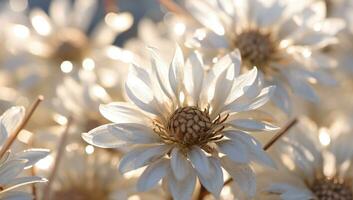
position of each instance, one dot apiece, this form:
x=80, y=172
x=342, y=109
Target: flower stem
x=172, y=6
x=24, y=122
x=57, y=161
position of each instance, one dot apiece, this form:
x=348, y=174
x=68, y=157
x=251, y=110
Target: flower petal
x=32, y=156
x=180, y=165
x=182, y=189
x=141, y=156
x=252, y=125
x=242, y=174
x=122, y=112
x=235, y=150
x=199, y=159
x=151, y=176
x=214, y=181
x=10, y=170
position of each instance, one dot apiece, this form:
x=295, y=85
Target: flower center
x=327, y=189
x=257, y=48
x=71, y=45
x=189, y=126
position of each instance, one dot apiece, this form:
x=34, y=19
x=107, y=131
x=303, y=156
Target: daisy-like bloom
x=90, y=174
x=284, y=39
x=314, y=163
x=184, y=123
x=60, y=43
x=12, y=165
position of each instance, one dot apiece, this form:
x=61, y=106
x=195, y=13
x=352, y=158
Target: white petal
x=32, y=156
x=194, y=74
x=21, y=181
x=214, y=181
x=10, y=170
x=176, y=71
x=141, y=156
x=134, y=133
x=255, y=103
x=103, y=137
x=122, y=112
x=207, y=16
x=242, y=84
x=235, y=150
x=140, y=94
x=12, y=118
x=16, y=195
x=242, y=174
x=180, y=165
x=302, y=87
x=252, y=125
x=281, y=99
x=199, y=159
x=152, y=175
x=182, y=189
x=254, y=147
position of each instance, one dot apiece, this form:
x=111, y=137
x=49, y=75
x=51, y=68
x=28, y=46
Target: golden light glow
x=324, y=136
x=20, y=31
x=66, y=66
x=89, y=149
x=41, y=23
x=119, y=22
x=134, y=197
x=25, y=136
x=88, y=64
x=45, y=163
x=179, y=28
x=116, y=53
x=60, y=119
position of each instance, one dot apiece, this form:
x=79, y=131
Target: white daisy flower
x=12, y=165
x=314, y=163
x=90, y=174
x=284, y=39
x=61, y=43
x=184, y=123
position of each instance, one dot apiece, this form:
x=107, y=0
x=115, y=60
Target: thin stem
x=272, y=141
x=57, y=161
x=33, y=173
x=22, y=125
x=172, y=6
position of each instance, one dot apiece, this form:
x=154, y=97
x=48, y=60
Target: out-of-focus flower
x=90, y=174
x=184, y=123
x=284, y=39
x=13, y=164
x=60, y=44
x=314, y=163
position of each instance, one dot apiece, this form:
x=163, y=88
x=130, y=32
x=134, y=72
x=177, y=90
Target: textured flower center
x=257, y=48
x=71, y=45
x=189, y=126
x=331, y=189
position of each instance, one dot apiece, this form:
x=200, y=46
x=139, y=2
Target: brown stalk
x=172, y=7
x=57, y=161
x=22, y=125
